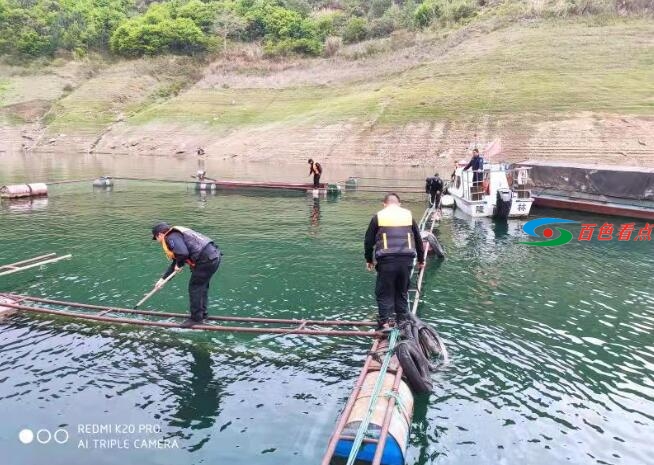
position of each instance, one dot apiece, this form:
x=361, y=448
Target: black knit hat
x=158, y=229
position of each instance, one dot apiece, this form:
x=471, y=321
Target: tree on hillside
x=228, y=23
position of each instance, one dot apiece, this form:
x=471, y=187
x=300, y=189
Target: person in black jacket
x=186, y=246
x=395, y=238
x=316, y=170
x=477, y=165
x=434, y=187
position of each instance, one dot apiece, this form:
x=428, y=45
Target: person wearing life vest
x=395, y=238
x=184, y=246
x=316, y=170
x=434, y=187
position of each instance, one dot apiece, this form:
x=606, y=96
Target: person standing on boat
x=434, y=187
x=186, y=246
x=316, y=170
x=477, y=165
x=395, y=238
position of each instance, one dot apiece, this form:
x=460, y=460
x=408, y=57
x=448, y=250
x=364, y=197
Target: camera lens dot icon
x=26, y=436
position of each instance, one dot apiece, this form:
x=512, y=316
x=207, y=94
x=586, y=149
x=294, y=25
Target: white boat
x=502, y=192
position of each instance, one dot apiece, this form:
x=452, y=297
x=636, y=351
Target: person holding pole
x=186, y=246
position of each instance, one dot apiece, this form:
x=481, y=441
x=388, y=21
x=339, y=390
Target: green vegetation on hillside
x=34, y=28
x=518, y=70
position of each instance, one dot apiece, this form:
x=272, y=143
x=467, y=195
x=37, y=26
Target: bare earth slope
x=559, y=90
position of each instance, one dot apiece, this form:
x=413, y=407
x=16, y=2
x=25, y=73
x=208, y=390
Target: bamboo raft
x=31, y=263
x=15, y=303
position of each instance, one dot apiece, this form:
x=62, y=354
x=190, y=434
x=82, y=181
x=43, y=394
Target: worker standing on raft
x=434, y=187
x=186, y=246
x=396, y=240
x=316, y=170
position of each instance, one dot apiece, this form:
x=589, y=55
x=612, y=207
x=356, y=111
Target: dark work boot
x=189, y=322
x=388, y=325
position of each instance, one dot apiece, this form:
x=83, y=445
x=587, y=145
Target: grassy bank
x=534, y=82
x=558, y=66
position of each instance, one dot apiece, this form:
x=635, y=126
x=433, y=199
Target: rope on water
x=363, y=427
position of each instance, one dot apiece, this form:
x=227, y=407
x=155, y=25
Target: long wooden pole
x=52, y=260
x=199, y=326
x=243, y=319
x=155, y=289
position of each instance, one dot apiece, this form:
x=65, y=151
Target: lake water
x=552, y=348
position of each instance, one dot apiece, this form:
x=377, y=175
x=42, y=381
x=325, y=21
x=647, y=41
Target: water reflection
x=314, y=217
x=198, y=399
x=24, y=205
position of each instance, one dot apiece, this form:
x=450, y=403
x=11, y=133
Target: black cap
x=158, y=229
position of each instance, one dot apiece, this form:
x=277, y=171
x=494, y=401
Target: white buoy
x=447, y=201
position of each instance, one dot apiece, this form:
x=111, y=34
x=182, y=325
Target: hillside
x=579, y=88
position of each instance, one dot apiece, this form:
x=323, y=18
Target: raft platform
x=215, y=185
x=387, y=422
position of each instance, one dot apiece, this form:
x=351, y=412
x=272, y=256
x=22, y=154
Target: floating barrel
x=205, y=186
x=352, y=183
x=103, y=181
x=23, y=190
x=447, y=201
x=333, y=189
x=398, y=431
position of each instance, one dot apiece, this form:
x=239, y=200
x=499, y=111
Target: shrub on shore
x=43, y=28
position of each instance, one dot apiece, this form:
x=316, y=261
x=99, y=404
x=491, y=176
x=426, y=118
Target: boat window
x=458, y=182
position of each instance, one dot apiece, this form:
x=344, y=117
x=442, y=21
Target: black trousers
x=198, y=287
x=316, y=181
x=434, y=197
x=392, y=288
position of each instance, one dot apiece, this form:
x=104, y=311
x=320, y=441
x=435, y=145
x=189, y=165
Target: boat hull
x=520, y=208
x=602, y=208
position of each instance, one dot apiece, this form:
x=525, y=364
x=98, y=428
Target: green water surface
x=552, y=348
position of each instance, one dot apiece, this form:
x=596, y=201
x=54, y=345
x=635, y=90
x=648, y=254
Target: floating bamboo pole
x=32, y=265
x=243, y=319
x=200, y=326
x=17, y=264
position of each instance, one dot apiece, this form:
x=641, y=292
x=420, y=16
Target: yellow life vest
x=395, y=234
